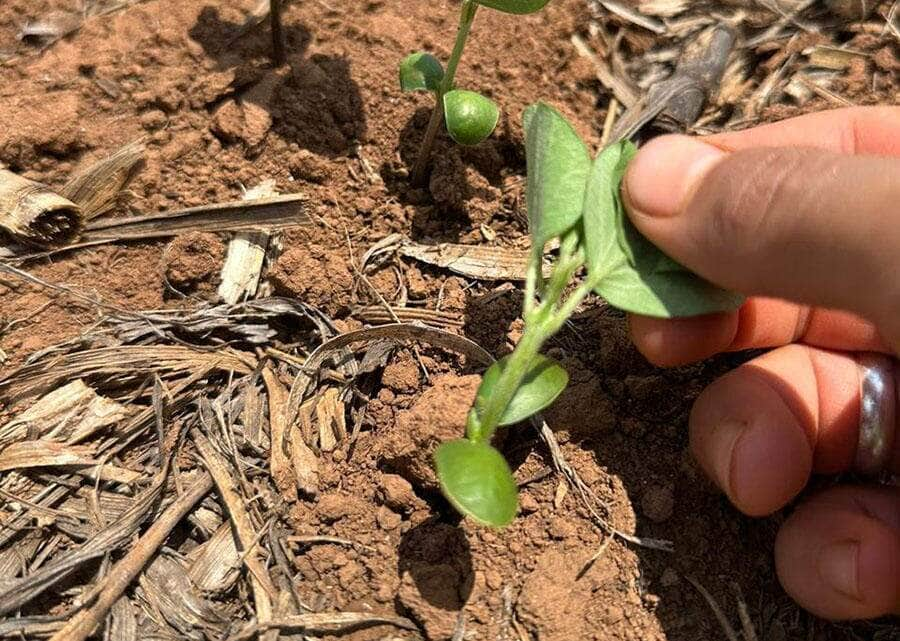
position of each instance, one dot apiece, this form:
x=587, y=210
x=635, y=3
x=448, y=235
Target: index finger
x=759, y=323
x=854, y=131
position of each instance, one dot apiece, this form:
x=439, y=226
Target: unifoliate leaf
x=558, y=168
x=666, y=294
x=421, y=72
x=544, y=382
x=514, y=6
x=600, y=219
x=476, y=479
x=636, y=276
x=470, y=116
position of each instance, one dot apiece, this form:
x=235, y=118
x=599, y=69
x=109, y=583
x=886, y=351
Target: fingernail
x=722, y=443
x=665, y=174
x=839, y=567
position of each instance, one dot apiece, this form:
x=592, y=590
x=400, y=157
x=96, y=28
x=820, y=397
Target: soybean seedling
x=470, y=116
x=576, y=200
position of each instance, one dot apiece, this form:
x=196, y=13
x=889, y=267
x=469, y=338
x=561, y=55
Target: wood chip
x=331, y=419
x=33, y=214
x=836, y=58
x=246, y=256
x=280, y=466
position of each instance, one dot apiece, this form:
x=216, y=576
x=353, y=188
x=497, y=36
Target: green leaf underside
x=558, y=168
x=544, y=382
x=477, y=480
x=638, y=276
x=665, y=294
x=421, y=71
x=514, y=6
x=470, y=116
x=603, y=250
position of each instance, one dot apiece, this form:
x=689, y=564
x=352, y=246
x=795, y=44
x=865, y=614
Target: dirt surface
x=332, y=125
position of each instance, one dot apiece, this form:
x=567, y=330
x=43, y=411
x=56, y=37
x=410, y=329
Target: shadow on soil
x=463, y=186
x=636, y=419
x=438, y=559
x=313, y=101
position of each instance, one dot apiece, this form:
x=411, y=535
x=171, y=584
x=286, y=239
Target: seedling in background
x=470, y=116
x=278, y=53
x=576, y=200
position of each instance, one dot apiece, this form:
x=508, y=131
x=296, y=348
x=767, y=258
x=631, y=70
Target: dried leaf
x=474, y=261
x=165, y=584
x=275, y=212
x=30, y=454
x=216, y=564
x=96, y=187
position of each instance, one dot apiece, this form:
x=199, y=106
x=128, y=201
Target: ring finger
x=760, y=431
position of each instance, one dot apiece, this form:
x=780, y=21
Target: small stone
x=332, y=507
x=349, y=573
x=397, y=493
x=493, y=579
x=528, y=504
x=387, y=519
x=651, y=601
x=658, y=503
x=402, y=376
x=153, y=119
x=560, y=528
x=305, y=165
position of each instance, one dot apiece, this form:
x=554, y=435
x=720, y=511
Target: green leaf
x=638, y=277
x=600, y=231
x=421, y=72
x=558, y=168
x=667, y=294
x=470, y=116
x=477, y=480
x=544, y=382
x=514, y=6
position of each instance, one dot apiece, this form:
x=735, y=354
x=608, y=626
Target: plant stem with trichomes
x=466, y=17
x=542, y=321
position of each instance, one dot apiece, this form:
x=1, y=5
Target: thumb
x=808, y=225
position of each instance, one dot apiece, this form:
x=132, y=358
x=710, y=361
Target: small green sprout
x=470, y=117
x=576, y=200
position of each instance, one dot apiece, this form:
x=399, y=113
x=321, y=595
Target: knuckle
x=754, y=196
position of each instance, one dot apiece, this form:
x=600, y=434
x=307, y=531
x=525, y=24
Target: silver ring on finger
x=877, y=411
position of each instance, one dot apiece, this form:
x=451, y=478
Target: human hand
x=808, y=211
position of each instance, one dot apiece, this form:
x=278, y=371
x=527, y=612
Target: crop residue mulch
x=239, y=470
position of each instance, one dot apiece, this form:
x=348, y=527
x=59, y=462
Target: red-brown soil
x=333, y=125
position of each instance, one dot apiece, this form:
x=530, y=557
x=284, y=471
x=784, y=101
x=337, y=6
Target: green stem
x=533, y=278
x=466, y=17
x=517, y=367
x=541, y=322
